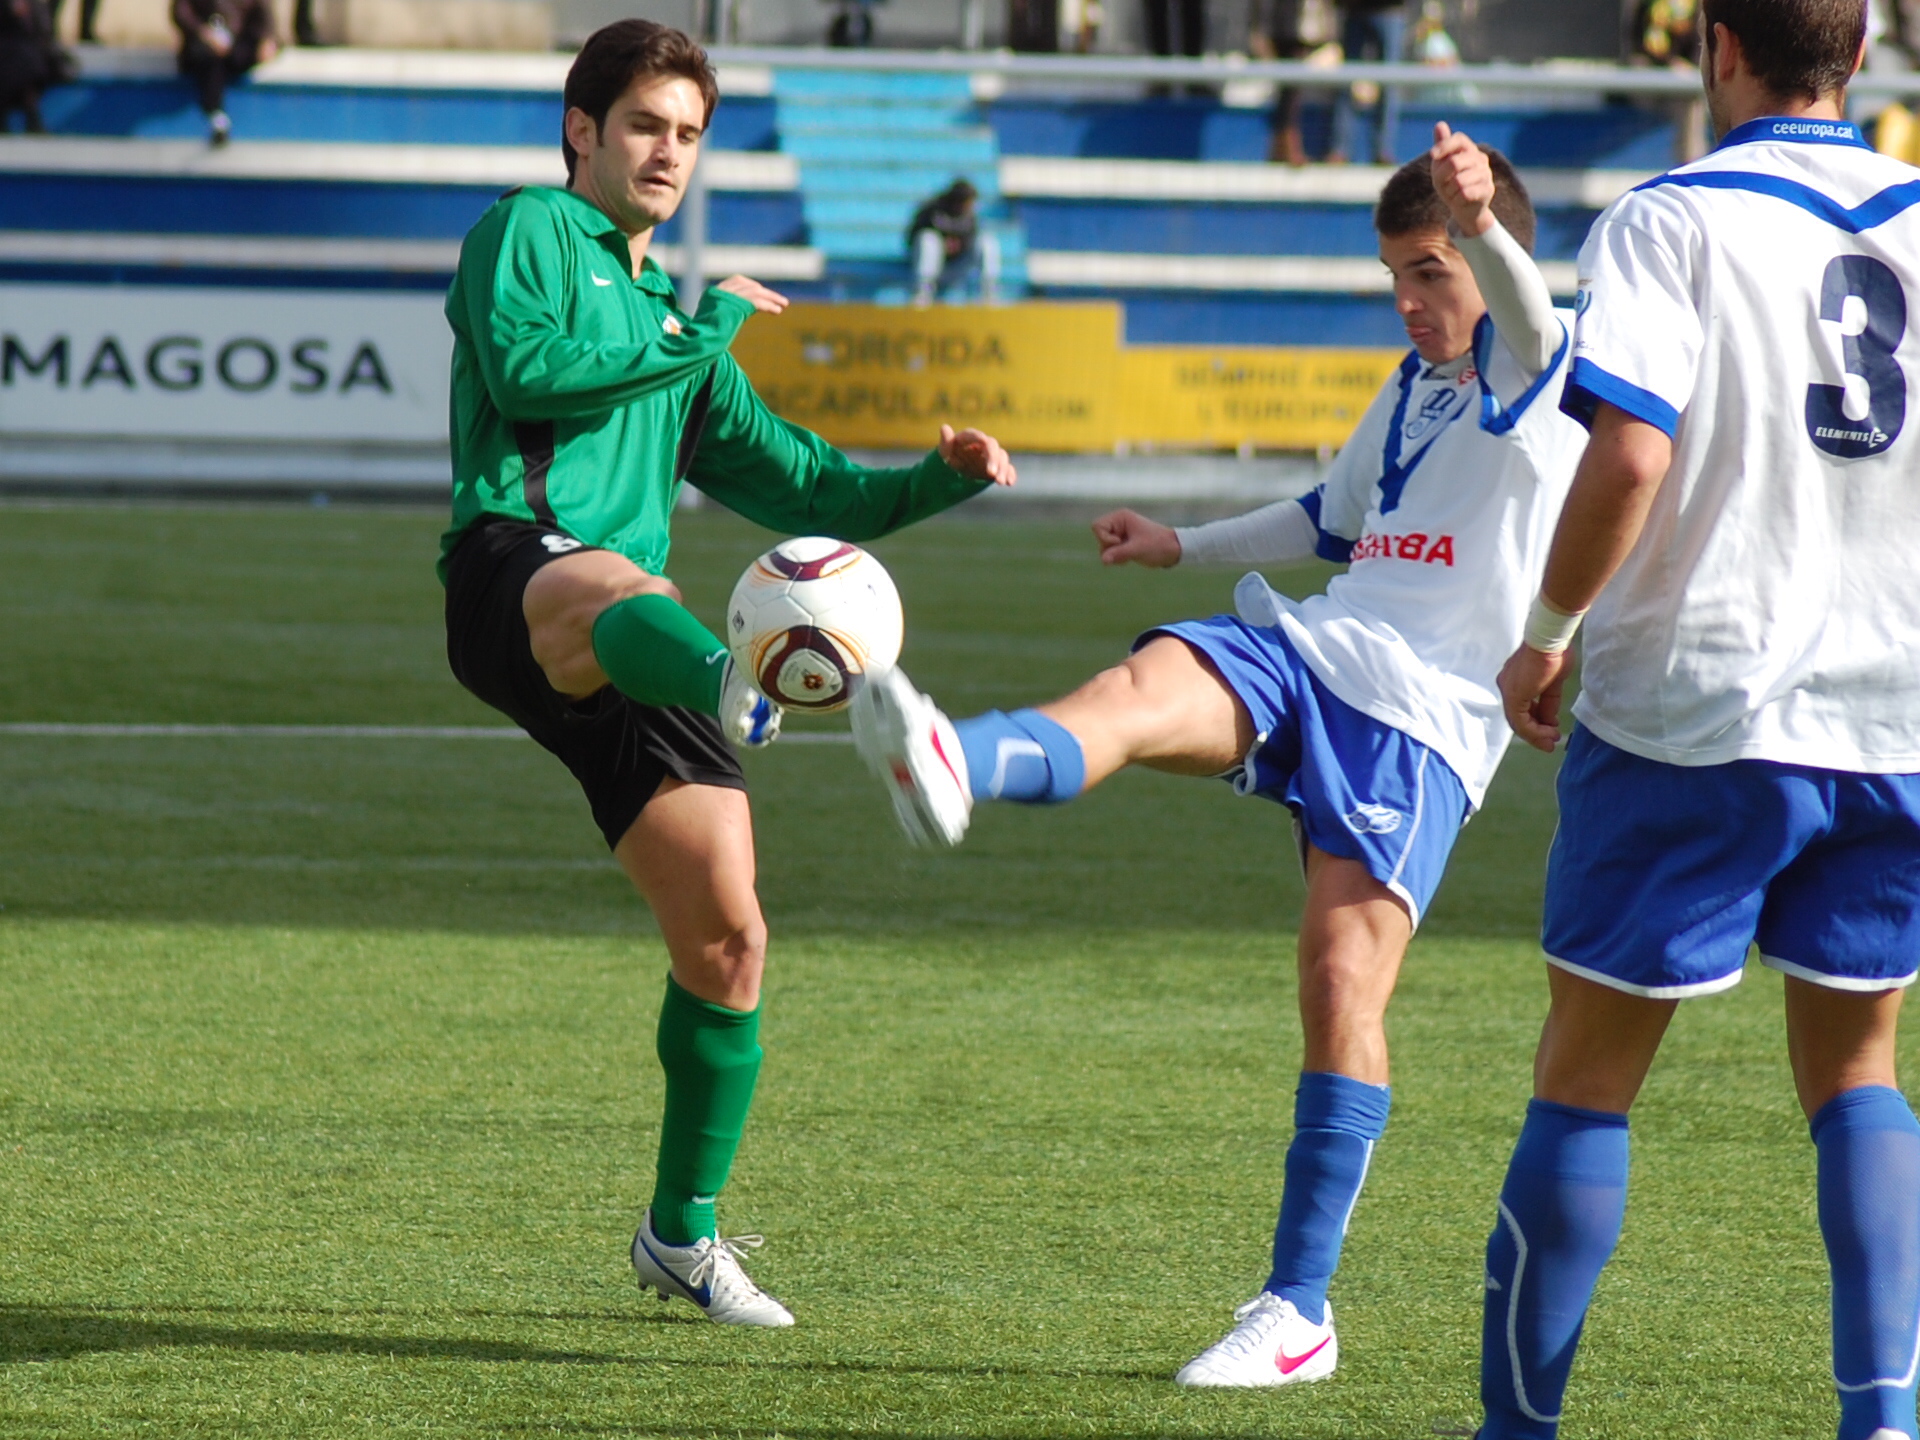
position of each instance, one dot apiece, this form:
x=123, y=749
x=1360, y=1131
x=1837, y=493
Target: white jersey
x=1444, y=500
x=1755, y=305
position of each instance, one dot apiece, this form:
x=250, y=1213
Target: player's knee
x=1124, y=692
x=737, y=957
x=561, y=605
x=1350, y=974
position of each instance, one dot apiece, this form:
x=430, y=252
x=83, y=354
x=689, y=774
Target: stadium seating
x=367, y=167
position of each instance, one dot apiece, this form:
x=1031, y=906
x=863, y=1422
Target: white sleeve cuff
x=1281, y=531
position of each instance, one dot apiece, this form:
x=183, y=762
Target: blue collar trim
x=1799, y=132
x=1393, y=473
x=1869, y=214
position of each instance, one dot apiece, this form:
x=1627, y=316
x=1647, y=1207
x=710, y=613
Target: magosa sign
x=222, y=363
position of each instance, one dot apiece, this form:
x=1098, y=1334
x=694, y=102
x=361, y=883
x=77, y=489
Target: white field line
x=324, y=732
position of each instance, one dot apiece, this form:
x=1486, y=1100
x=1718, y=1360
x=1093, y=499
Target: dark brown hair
x=1798, y=49
x=616, y=55
x=1408, y=202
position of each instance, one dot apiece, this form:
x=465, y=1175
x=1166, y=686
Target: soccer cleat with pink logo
x=912, y=747
x=1271, y=1344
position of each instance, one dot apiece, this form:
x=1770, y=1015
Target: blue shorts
x=1358, y=788
x=1662, y=875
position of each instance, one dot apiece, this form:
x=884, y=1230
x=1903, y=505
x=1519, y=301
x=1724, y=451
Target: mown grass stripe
x=324, y=732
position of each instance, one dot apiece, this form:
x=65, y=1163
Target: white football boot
x=1272, y=1344
x=708, y=1273
x=746, y=716
x=912, y=747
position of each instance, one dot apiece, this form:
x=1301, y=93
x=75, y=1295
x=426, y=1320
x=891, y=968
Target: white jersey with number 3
x=1760, y=306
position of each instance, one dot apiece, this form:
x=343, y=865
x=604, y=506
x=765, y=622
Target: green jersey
x=583, y=397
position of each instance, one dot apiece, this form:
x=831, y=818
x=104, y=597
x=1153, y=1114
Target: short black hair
x=615, y=56
x=1409, y=203
x=1798, y=49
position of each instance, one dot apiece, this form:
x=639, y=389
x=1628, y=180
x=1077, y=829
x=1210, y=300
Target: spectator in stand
x=1667, y=32
x=1176, y=27
x=30, y=63
x=89, y=13
x=1284, y=38
x=945, y=244
x=1370, y=30
x=220, y=40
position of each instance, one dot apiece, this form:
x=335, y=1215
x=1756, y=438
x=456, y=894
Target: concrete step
x=913, y=183
x=869, y=85
x=869, y=149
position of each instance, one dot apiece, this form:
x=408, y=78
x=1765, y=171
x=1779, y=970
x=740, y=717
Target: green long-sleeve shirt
x=583, y=397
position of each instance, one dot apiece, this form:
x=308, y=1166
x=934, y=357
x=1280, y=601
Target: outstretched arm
x=785, y=477
x=1284, y=531
x=1517, y=296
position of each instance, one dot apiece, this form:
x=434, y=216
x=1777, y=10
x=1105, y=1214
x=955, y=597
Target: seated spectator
x=220, y=40
x=945, y=244
x=30, y=63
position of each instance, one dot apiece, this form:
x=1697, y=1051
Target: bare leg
x=562, y=601
x=1166, y=708
x=690, y=854
x=1840, y=1040
x=1352, y=941
x=1598, y=1043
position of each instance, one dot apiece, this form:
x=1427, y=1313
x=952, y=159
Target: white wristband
x=1548, y=630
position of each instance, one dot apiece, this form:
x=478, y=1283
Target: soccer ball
x=810, y=619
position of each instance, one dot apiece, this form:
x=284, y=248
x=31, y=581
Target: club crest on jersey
x=671, y=324
x=1373, y=820
x=1437, y=407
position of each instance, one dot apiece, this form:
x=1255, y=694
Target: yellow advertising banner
x=1039, y=377
x=1046, y=376
x=1196, y=397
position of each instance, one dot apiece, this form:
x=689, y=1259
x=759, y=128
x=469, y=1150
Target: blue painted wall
x=1237, y=228
x=342, y=209
x=159, y=109
x=1621, y=136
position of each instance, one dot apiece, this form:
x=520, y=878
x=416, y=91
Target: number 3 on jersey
x=1867, y=356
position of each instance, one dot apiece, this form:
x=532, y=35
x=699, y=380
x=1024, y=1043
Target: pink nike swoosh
x=941, y=751
x=1290, y=1363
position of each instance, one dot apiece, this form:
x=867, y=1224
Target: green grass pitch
x=327, y=1091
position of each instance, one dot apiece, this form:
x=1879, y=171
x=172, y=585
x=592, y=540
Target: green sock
x=712, y=1056
x=654, y=651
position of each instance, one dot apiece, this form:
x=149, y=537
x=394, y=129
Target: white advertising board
x=223, y=364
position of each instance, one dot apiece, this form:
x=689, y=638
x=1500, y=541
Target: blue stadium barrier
x=1622, y=137
x=165, y=109
x=868, y=146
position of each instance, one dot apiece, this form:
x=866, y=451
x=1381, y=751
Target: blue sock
x=1869, y=1168
x=1560, y=1214
x=1023, y=756
x=1335, y=1122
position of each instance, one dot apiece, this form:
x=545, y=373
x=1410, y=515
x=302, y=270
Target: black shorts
x=618, y=749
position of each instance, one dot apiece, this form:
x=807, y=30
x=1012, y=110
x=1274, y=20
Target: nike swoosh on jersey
x=601, y=280
x=1290, y=1363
